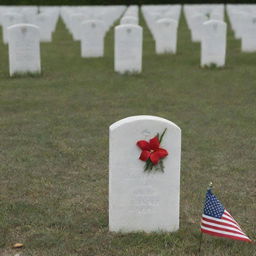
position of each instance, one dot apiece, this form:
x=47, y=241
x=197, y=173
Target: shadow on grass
x=27, y=75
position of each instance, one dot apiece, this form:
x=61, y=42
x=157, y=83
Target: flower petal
x=144, y=155
x=154, y=157
x=143, y=145
x=162, y=152
x=154, y=143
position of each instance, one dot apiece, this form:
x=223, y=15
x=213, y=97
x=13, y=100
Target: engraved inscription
x=24, y=52
x=146, y=134
x=144, y=200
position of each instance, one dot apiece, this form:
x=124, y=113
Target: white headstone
x=29, y=18
x=216, y=16
x=249, y=36
x=29, y=10
x=174, y=15
x=44, y=22
x=76, y=21
x=129, y=20
x=128, y=48
x=92, y=38
x=24, y=49
x=241, y=19
x=213, y=43
x=197, y=27
x=139, y=200
x=166, y=36
x=153, y=18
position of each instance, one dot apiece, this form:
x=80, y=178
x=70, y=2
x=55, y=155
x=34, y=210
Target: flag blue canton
x=212, y=206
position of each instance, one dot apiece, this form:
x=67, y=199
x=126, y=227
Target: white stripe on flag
x=228, y=216
x=222, y=226
x=220, y=220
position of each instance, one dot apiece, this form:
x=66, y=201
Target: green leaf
x=147, y=165
x=161, y=165
x=162, y=135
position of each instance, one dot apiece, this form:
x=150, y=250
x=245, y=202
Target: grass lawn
x=54, y=146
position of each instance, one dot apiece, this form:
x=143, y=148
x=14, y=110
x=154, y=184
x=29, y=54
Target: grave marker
x=24, y=49
x=166, y=36
x=92, y=38
x=143, y=200
x=128, y=48
x=213, y=44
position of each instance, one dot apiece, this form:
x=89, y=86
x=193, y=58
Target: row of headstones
x=75, y=17
x=89, y=25
x=90, y=30
x=93, y=33
x=242, y=19
x=204, y=21
x=131, y=16
x=24, y=53
x=45, y=18
x=243, y=23
x=198, y=14
x=128, y=37
x=207, y=26
x=24, y=44
x=128, y=46
x=162, y=22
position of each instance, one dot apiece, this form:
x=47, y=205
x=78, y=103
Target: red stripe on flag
x=219, y=222
x=224, y=235
x=223, y=218
x=223, y=229
x=229, y=215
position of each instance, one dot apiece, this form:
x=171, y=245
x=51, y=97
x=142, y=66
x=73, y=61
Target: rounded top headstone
x=141, y=118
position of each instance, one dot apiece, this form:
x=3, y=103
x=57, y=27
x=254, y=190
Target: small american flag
x=217, y=221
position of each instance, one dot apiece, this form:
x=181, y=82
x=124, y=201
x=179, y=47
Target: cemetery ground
x=54, y=146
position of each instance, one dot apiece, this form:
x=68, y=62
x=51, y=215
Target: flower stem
x=162, y=135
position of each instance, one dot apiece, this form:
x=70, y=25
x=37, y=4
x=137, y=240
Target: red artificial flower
x=151, y=150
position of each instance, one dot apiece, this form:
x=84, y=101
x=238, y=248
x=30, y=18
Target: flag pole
x=200, y=242
x=201, y=235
